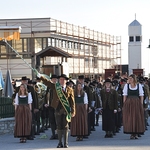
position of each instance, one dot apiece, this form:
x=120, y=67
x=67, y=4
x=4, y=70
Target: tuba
x=40, y=89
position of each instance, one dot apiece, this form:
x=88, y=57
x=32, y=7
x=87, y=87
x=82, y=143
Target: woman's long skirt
x=23, y=119
x=133, y=116
x=79, y=126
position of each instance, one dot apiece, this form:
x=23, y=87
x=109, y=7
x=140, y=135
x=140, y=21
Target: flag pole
x=17, y=53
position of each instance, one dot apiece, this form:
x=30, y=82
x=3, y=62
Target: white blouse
x=85, y=98
x=29, y=99
x=125, y=89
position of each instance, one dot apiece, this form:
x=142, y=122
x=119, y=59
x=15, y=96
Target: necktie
x=63, y=89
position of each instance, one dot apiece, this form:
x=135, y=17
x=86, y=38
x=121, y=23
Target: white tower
x=134, y=45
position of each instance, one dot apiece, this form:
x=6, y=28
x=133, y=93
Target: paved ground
x=96, y=141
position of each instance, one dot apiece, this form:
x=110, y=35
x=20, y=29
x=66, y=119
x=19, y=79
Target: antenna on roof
x=135, y=16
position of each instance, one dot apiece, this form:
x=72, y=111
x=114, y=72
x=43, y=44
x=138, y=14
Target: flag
x=1, y=81
x=8, y=88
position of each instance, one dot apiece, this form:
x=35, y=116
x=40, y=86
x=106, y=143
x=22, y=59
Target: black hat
x=107, y=80
x=54, y=76
x=24, y=78
x=141, y=79
x=70, y=81
x=86, y=81
x=63, y=76
x=123, y=80
x=116, y=77
x=81, y=77
x=34, y=82
x=91, y=84
x=37, y=78
x=30, y=82
x=95, y=82
x=114, y=82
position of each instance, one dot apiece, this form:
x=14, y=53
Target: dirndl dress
x=23, y=118
x=79, y=126
x=133, y=113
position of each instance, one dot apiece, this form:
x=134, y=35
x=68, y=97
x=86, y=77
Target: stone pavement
x=96, y=141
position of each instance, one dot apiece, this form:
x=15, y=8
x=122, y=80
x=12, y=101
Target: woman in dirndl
x=79, y=126
x=133, y=113
x=23, y=117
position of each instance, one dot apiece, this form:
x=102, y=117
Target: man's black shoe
x=30, y=138
x=106, y=136
x=37, y=133
x=93, y=129
x=66, y=146
x=53, y=137
x=60, y=145
x=97, y=124
x=85, y=137
x=111, y=135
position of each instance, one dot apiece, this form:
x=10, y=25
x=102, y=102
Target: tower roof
x=135, y=23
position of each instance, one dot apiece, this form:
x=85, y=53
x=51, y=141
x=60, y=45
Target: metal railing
x=6, y=107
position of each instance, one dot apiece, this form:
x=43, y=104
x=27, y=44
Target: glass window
x=2, y=49
x=138, y=38
x=25, y=43
x=44, y=43
x=38, y=44
x=17, y=45
x=49, y=42
x=3, y=53
x=131, y=39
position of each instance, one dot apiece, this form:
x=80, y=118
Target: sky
x=107, y=16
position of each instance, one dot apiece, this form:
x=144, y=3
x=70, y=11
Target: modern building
x=53, y=46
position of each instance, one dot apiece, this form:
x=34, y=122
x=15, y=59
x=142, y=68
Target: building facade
x=91, y=51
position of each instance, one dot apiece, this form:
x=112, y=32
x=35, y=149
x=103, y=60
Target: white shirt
x=125, y=89
x=29, y=99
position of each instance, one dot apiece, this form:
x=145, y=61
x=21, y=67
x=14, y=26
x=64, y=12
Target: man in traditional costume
x=110, y=106
x=64, y=104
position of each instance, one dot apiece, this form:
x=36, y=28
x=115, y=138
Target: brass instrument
x=40, y=89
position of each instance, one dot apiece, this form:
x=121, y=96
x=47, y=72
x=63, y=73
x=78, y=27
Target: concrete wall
x=7, y=126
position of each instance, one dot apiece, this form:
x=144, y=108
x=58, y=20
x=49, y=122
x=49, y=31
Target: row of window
x=28, y=46
x=135, y=39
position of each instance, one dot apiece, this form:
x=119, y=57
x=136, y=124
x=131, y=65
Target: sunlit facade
x=92, y=51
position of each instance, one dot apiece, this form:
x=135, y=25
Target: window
x=131, y=39
x=138, y=38
x=38, y=44
x=17, y=45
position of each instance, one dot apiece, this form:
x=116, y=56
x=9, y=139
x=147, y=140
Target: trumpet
x=40, y=89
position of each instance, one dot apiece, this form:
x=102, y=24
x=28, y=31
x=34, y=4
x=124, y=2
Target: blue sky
x=107, y=16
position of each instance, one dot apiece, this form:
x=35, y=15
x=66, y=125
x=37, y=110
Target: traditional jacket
x=69, y=93
x=109, y=99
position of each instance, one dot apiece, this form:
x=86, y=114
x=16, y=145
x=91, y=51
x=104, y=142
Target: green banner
x=64, y=101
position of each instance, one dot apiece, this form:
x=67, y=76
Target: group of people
x=77, y=106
